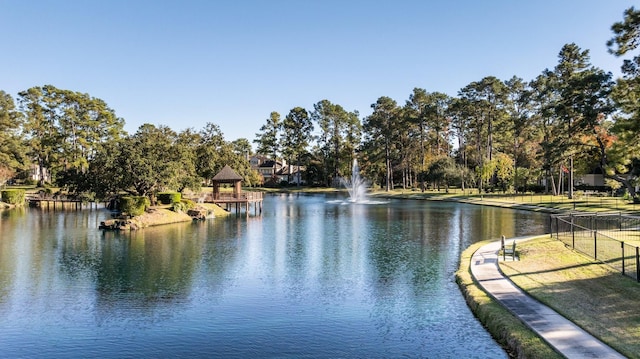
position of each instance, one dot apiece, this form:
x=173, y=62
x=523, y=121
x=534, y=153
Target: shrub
x=169, y=197
x=86, y=196
x=134, y=205
x=535, y=188
x=189, y=203
x=13, y=196
x=585, y=187
x=183, y=206
x=178, y=207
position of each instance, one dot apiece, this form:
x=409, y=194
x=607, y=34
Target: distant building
x=591, y=179
x=273, y=172
x=292, y=173
x=594, y=178
x=37, y=173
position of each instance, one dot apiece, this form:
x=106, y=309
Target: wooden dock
x=60, y=203
x=244, y=200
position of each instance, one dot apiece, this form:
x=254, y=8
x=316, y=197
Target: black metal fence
x=612, y=238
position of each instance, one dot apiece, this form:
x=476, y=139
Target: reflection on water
x=309, y=278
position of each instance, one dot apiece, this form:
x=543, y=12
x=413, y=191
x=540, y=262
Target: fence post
x=595, y=244
x=573, y=234
x=622, y=245
x=637, y=264
x=620, y=221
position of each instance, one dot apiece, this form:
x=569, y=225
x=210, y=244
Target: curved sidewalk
x=566, y=337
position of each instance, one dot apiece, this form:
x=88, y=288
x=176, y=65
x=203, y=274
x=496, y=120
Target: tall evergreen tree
x=417, y=110
x=460, y=112
x=297, y=128
x=337, y=140
x=544, y=98
x=624, y=159
x=66, y=128
x=40, y=130
x=268, y=137
x=381, y=130
x=486, y=99
x=519, y=118
x=242, y=147
x=582, y=95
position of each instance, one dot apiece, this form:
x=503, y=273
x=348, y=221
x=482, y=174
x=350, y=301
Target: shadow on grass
x=555, y=269
x=605, y=306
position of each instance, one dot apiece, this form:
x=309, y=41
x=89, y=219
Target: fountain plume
x=357, y=187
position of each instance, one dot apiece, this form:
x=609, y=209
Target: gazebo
x=227, y=175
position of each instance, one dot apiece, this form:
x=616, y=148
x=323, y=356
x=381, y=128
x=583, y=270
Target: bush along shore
x=10, y=198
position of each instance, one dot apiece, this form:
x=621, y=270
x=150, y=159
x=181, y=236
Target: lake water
x=310, y=278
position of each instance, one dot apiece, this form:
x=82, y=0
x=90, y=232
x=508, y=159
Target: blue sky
x=186, y=63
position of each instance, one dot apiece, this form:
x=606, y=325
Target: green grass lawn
x=581, y=202
x=509, y=331
x=592, y=295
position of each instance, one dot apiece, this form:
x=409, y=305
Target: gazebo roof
x=227, y=174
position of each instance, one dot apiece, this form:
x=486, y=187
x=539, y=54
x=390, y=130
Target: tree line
x=81, y=143
x=494, y=135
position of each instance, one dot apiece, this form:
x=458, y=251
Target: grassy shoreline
x=597, y=298
x=518, y=340
x=531, y=202
x=588, y=202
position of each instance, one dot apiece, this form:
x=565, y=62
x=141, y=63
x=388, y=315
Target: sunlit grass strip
x=592, y=295
x=629, y=237
x=508, y=330
x=557, y=203
x=217, y=210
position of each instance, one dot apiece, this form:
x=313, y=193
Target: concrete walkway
x=566, y=337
